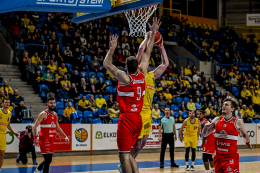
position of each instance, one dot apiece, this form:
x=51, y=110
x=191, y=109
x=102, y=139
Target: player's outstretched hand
x=16, y=134
x=67, y=140
x=249, y=145
x=156, y=25
x=113, y=41
x=181, y=139
x=161, y=44
x=36, y=142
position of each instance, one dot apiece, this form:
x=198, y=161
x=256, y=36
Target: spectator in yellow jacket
x=67, y=112
x=167, y=97
x=158, y=89
x=256, y=102
x=243, y=110
x=7, y=89
x=100, y=101
x=246, y=95
x=156, y=113
x=256, y=80
x=35, y=58
x=52, y=67
x=63, y=69
x=208, y=109
x=112, y=112
x=191, y=105
x=187, y=71
x=83, y=104
x=31, y=27
x=65, y=80
x=250, y=111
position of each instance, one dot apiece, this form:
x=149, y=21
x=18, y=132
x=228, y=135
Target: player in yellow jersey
x=150, y=78
x=191, y=136
x=5, y=117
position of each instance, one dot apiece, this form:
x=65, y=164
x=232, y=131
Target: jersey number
x=139, y=92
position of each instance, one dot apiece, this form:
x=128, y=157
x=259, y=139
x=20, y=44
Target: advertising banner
x=80, y=137
x=104, y=136
x=258, y=133
x=253, y=20
x=59, y=141
x=251, y=131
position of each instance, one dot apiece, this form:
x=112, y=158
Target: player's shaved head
x=131, y=64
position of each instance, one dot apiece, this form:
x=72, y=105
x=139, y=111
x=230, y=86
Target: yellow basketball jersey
x=149, y=91
x=191, y=129
x=4, y=120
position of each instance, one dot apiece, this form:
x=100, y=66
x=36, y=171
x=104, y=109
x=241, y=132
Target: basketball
x=158, y=39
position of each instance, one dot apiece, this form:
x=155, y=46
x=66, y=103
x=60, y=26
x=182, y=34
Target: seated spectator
x=212, y=101
x=243, y=110
x=30, y=71
x=45, y=59
x=198, y=104
x=19, y=112
x=208, y=109
x=83, y=104
x=94, y=79
x=8, y=91
x=211, y=116
x=63, y=95
x=25, y=19
x=55, y=86
x=95, y=65
x=179, y=119
x=26, y=146
x=2, y=96
x=48, y=77
x=41, y=67
x=59, y=75
x=162, y=104
x=158, y=89
x=35, y=58
x=182, y=106
x=216, y=111
x=110, y=102
x=250, y=111
x=156, y=113
x=245, y=95
x=73, y=93
x=92, y=103
x=187, y=71
x=228, y=95
x=112, y=112
x=103, y=114
x=246, y=118
x=163, y=82
x=100, y=101
x=221, y=76
x=31, y=27
x=15, y=98
x=52, y=67
x=191, y=105
x=91, y=88
x=195, y=77
x=168, y=97
x=63, y=69
x=75, y=78
x=81, y=64
x=67, y=113
x=68, y=56
x=66, y=81
x=83, y=86
x=64, y=26
x=256, y=102
x=238, y=113
x=181, y=91
x=101, y=87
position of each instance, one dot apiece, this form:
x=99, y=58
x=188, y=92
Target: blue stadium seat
x=79, y=113
x=155, y=121
x=234, y=89
x=114, y=89
x=90, y=73
x=162, y=114
x=99, y=74
x=109, y=89
x=184, y=115
x=43, y=94
x=76, y=121
x=88, y=96
x=60, y=35
x=41, y=87
x=68, y=65
x=95, y=113
x=59, y=105
x=106, y=97
x=86, y=74
x=252, y=121
x=27, y=121
x=178, y=99
x=13, y=112
x=115, y=121
x=97, y=121
x=88, y=58
x=186, y=100
x=154, y=98
x=257, y=121
x=108, y=83
x=175, y=114
x=88, y=114
x=76, y=105
x=60, y=112
x=80, y=96
x=174, y=107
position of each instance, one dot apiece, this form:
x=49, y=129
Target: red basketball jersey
x=130, y=96
x=226, y=135
x=48, y=126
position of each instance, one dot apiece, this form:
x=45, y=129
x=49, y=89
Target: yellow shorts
x=190, y=142
x=3, y=142
x=147, y=124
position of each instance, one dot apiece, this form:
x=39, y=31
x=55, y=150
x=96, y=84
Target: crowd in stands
x=68, y=65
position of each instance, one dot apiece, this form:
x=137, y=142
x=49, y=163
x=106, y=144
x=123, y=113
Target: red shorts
x=128, y=130
x=226, y=163
x=209, y=146
x=46, y=145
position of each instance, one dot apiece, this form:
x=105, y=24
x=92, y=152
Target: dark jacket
x=25, y=141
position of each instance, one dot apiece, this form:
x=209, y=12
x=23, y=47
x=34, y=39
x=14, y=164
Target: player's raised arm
x=241, y=126
x=209, y=127
x=36, y=124
x=146, y=56
x=160, y=70
x=182, y=127
x=142, y=48
x=118, y=74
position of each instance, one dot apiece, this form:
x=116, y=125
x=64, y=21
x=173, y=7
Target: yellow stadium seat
x=244, y=36
x=209, y=25
x=248, y=40
x=255, y=39
x=210, y=28
x=251, y=34
x=258, y=52
x=195, y=26
x=214, y=26
x=194, y=23
x=199, y=24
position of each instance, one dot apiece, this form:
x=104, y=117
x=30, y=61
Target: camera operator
x=26, y=146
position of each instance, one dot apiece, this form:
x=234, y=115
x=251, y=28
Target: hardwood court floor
x=148, y=163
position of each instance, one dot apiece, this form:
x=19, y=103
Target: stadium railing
x=29, y=48
x=188, y=60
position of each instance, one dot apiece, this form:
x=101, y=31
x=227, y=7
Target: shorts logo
x=47, y=149
x=81, y=135
x=231, y=161
x=229, y=168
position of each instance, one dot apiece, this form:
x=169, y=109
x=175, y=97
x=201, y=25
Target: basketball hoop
x=137, y=20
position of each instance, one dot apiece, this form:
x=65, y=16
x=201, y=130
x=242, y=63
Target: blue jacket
x=198, y=105
x=102, y=112
x=63, y=94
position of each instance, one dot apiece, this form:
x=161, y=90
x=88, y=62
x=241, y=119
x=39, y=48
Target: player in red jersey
x=131, y=89
x=48, y=122
x=208, y=145
x=227, y=129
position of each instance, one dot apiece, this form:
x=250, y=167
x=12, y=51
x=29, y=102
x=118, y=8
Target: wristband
x=34, y=137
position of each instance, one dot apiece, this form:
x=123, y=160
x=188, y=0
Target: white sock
x=213, y=170
x=208, y=171
x=187, y=163
x=192, y=163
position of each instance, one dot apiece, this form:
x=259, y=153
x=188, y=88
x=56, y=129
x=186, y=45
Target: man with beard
x=227, y=129
x=208, y=145
x=48, y=121
x=191, y=136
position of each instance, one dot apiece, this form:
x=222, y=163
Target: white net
x=137, y=20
